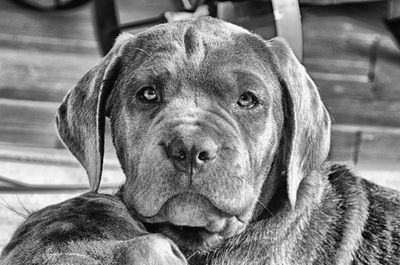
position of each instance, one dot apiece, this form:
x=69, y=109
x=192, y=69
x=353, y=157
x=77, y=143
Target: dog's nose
x=189, y=154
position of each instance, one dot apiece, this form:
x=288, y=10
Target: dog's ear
x=81, y=117
x=306, y=128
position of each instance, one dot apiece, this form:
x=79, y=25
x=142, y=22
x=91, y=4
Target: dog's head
x=206, y=119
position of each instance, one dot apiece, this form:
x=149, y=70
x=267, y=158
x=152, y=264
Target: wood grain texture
x=348, y=52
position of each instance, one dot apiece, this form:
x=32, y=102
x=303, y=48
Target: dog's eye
x=247, y=100
x=148, y=94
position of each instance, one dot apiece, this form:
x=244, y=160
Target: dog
x=223, y=139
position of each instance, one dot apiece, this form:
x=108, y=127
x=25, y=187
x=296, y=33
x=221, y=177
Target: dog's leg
x=92, y=229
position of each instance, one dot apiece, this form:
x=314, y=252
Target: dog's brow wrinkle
x=196, y=97
x=190, y=41
x=193, y=45
x=226, y=117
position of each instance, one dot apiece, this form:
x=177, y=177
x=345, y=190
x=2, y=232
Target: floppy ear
x=306, y=122
x=81, y=116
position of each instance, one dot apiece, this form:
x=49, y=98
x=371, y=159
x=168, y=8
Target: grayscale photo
x=199, y=132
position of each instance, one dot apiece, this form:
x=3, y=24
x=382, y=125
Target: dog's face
x=196, y=130
x=203, y=117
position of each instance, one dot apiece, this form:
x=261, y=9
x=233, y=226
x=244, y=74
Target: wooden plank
x=343, y=146
x=366, y=79
x=357, y=90
x=354, y=128
x=262, y=25
x=74, y=24
x=70, y=31
x=30, y=123
x=50, y=156
x=56, y=65
x=34, y=137
x=387, y=73
x=344, y=32
x=369, y=147
x=43, y=138
x=236, y=12
x=43, y=76
x=26, y=113
x=384, y=148
x=355, y=18
x=45, y=64
x=351, y=111
x=23, y=42
x=379, y=158
x=37, y=92
x=335, y=65
x=129, y=10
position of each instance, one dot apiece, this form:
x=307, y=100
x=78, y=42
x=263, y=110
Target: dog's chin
x=186, y=237
x=193, y=222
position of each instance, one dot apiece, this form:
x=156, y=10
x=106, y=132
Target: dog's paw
x=152, y=249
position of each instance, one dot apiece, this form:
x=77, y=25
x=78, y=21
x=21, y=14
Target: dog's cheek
x=145, y=165
x=153, y=180
x=128, y=133
x=270, y=178
x=263, y=143
x=264, y=149
x=262, y=139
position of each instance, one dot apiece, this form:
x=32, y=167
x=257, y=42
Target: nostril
x=175, y=150
x=179, y=155
x=204, y=156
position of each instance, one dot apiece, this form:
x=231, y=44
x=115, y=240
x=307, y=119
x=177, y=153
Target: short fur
x=342, y=219
x=91, y=229
x=228, y=161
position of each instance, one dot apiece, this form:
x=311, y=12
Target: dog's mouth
x=192, y=238
x=193, y=222
x=186, y=237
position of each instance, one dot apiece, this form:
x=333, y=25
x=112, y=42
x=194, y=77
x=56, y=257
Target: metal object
x=286, y=13
x=107, y=27
x=288, y=24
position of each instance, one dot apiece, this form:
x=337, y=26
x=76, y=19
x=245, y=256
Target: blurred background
x=350, y=48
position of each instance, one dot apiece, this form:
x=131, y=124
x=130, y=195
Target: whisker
x=139, y=49
x=27, y=211
x=192, y=255
x=265, y=207
x=12, y=209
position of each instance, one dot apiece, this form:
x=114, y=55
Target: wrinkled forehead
x=195, y=46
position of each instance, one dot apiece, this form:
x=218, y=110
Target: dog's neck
x=278, y=227
x=282, y=216
x=306, y=234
